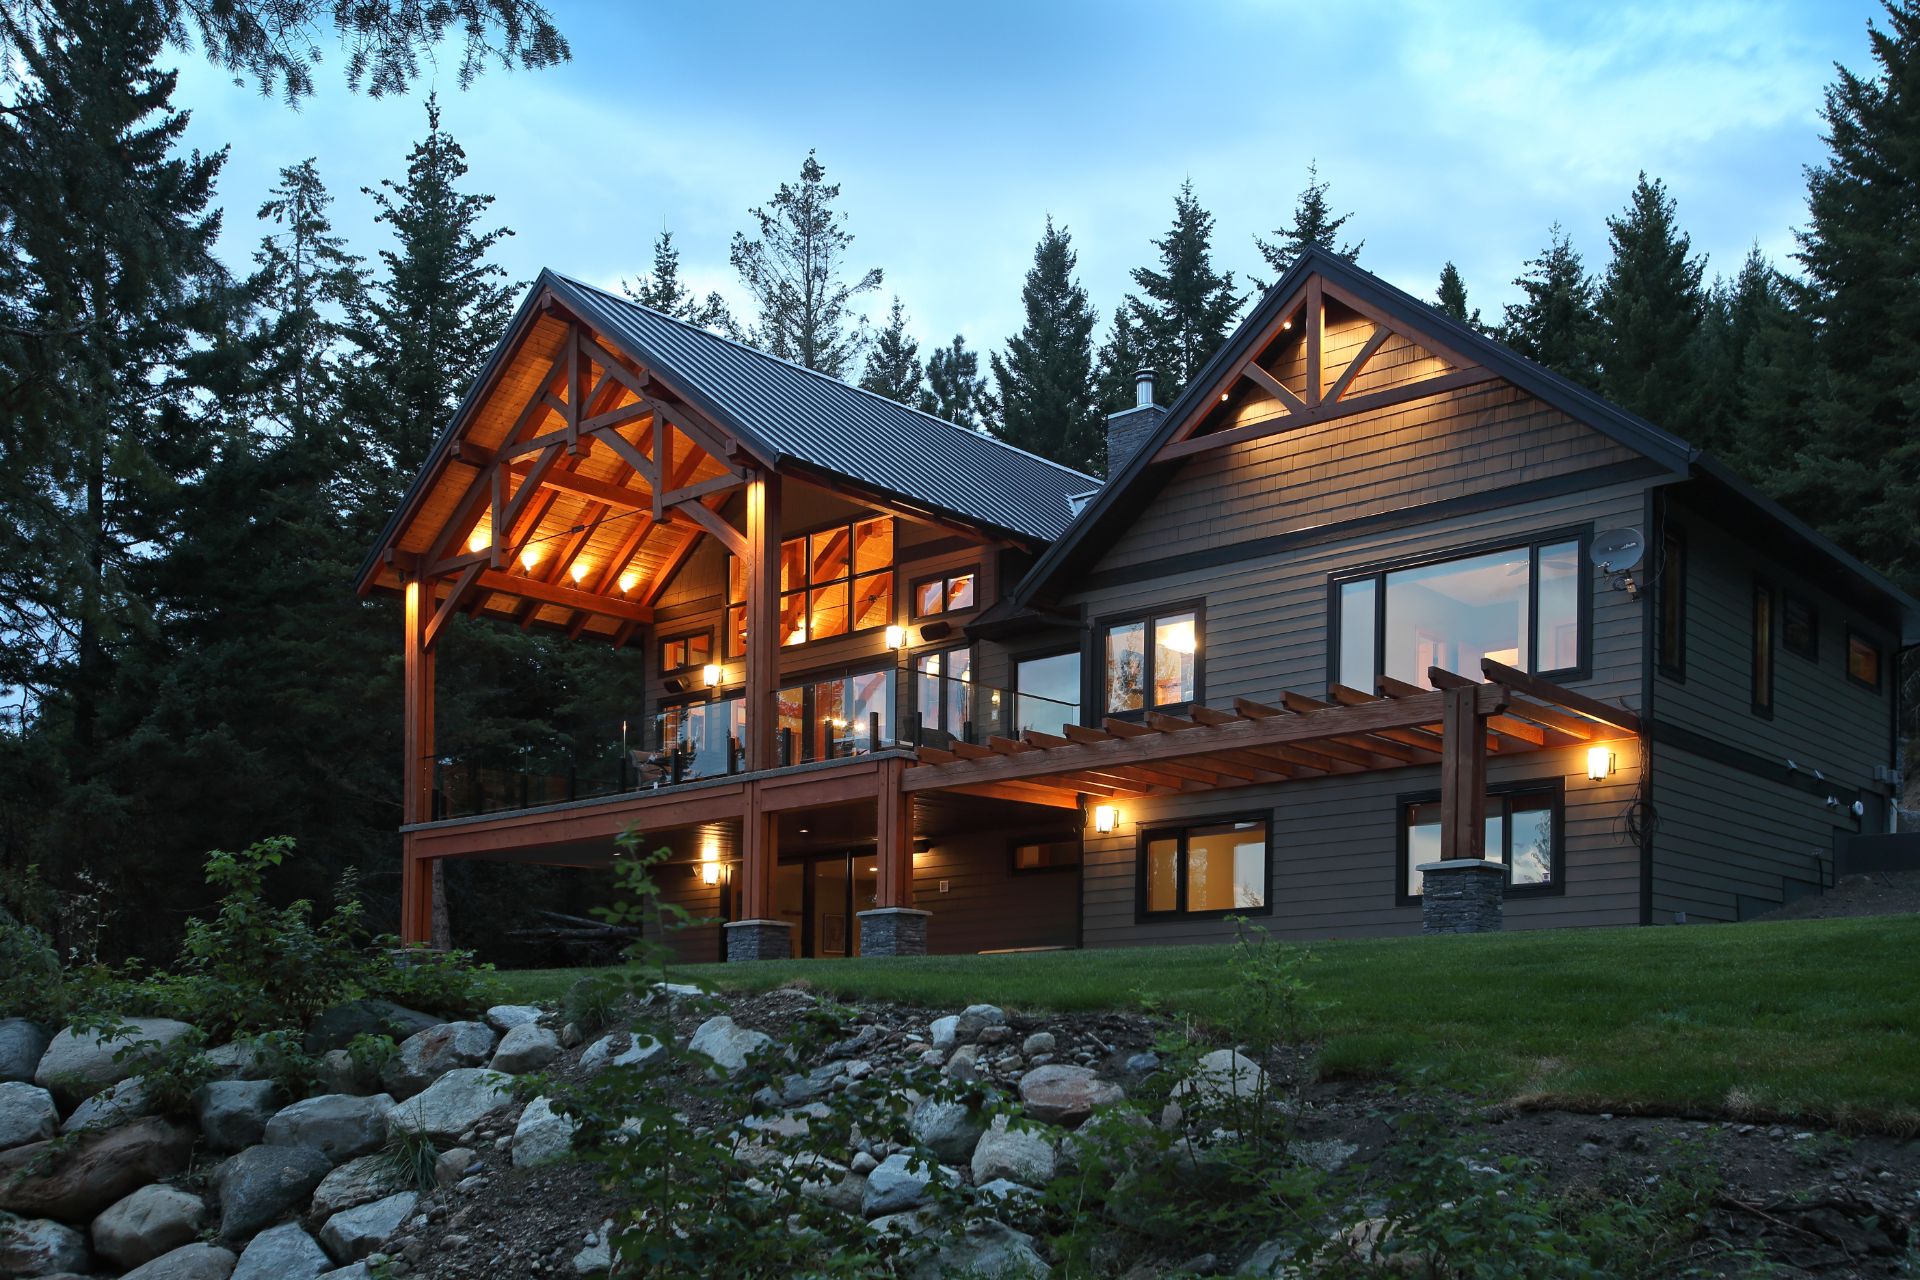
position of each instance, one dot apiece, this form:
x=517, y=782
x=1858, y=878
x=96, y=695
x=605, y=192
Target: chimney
x=1129, y=429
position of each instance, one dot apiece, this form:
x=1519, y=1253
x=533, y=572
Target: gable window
x=1151, y=663
x=683, y=653
x=949, y=593
x=1863, y=661
x=836, y=582
x=1205, y=869
x=1799, y=627
x=1523, y=834
x=1522, y=606
x=1671, y=602
x=943, y=691
x=1046, y=692
x=1762, y=642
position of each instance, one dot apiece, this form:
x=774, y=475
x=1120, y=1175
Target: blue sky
x=1449, y=130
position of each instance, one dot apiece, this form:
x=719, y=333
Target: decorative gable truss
x=1328, y=354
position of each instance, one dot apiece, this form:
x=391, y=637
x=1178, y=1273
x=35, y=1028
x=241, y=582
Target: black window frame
x=1015, y=845
x=1146, y=833
x=701, y=633
x=806, y=588
x=1555, y=788
x=946, y=592
x=1011, y=721
x=1580, y=535
x=1670, y=602
x=1093, y=677
x=1879, y=660
x=1789, y=601
x=808, y=683
x=1762, y=649
x=915, y=675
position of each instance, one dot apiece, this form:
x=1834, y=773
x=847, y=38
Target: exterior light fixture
x=579, y=570
x=1105, y=818
x=529, y=558
x=1223, y=395
x=628, y=581
x=1600, y=763
x=713, y=673
x=896, y=637
x=1287, y=323
x=710, y=873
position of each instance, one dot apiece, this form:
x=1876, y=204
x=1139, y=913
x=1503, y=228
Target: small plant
x=592, y=1002
x=413, y=1157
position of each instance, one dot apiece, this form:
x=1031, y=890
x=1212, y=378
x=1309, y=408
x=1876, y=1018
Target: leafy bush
x=31, y=984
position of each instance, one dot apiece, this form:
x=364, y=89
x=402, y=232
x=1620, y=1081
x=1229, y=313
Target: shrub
x=31, y=984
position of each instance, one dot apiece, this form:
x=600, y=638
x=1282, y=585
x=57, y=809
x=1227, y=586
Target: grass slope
x=1807, y=1019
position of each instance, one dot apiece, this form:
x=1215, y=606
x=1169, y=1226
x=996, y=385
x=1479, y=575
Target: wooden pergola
x=1457, y=724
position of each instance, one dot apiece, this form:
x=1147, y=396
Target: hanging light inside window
x=1600, y=763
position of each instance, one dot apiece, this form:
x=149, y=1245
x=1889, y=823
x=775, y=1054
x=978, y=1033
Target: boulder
x=964, y=1064
x=39, y=1247
x=233, y=1114
x=948, y=1129
x=1222, y=1075
x=27, y=1114
x=505, y=1017
x=453, y=1165
x=79, y=1065
x=1016, y=1155
x=354, y=1233
x=896, y=1185
x=1038, y=1043
x=427, y=1055
x=237, y=1062
x=336, y=1028
x=337, y=1072
x=987, y=1250
x=189, y=1262
x=153, y=1220
x=943, y=1031
x=358, y=1271
x=974, y=1019
x=620, y=1050
x=263, y=1183
x=21, y=1044
x=358, y=1182
x=115, y=1104
x=454, y=1103
x=72, y=1179
x=542, y=1136
x=340, y=1124
x=527, y=1047
x=728, y=1043
x=1065, y=1095
x=285, y=1252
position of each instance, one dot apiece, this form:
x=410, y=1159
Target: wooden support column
x=763, y=619
x=757, y=935
x=416, y=797
x=1463, y=776
x=894, y=927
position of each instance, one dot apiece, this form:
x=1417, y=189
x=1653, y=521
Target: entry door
x=822, y=897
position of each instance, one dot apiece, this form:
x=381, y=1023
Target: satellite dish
x=1617, y=550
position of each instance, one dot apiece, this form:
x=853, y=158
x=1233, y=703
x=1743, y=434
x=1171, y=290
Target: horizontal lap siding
x=1724, y=833
x=987, y=906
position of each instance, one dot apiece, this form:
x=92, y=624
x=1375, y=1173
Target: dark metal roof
x=781, y=410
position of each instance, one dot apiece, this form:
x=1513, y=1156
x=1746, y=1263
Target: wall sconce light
x=713, y=673
x=1105, y=818
x=710, y=873
x=1600, y=763
x=896, y=637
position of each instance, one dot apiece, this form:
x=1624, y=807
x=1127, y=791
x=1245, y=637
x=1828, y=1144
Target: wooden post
x=893, y=842
x=759, y=855
x=1463, y=775
x=416, y=796
x=763, y=619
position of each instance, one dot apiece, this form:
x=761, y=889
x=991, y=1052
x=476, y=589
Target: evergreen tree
x=1045, y=398
x=955, y=390
x=434, y=316
x=1451, y=300
x=1556, y=325
x=1314, y=226
x=1649, y=306
x=663, y=292
x=1188, y=306
x=1860, y=481
x=1122, y=356
x=893, y=361
x=794, y=271
x=1754, y=367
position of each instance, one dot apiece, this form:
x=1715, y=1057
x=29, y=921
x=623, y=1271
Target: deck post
x=757, y=935
x=416, y=796
x=894, y=927
x=1464, y=891
x=763, y=620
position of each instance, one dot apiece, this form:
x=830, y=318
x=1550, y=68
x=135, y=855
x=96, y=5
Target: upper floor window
x=1520, y=606
x=1863, y=661
x=1670, y=602
x=682, y=653
x=943, y=691
x=1762, y=647
x=1046, y=692
x=949, y=593
x=1151, y=663
x=1799, y=627
x=1522, y=833
x=835, y=582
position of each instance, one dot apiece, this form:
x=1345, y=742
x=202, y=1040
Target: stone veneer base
x=893, y=931
x=1464, y=895
x=759, y=940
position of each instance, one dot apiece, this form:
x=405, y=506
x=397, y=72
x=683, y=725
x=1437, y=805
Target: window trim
x=1013, y=861
x=1580, y=535
x=705, y=633
x=1788, y=599
x=945, y=579
x=1555, y=787
x=1103, y=628
x=1763, y=588
x=915, y=675
x=1011, y=724
x=806, y=589
x=1145, y=833
x=1671, y=594
x=1879, y=660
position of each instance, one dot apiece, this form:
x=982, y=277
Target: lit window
x=951, y=593
x=1152, y=663
x=838, y=717
x=832, y=583
x=1521, y=835
x=1863, y=661
x=1208, y=869
x=679, y=653
x=1048, y=855
x=943, y=692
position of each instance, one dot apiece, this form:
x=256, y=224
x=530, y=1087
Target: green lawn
x=1807, y=1019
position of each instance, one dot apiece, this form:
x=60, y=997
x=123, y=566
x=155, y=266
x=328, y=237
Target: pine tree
x=1314, y=226
x=1045, y=397
x=1649, y=306
x=793, y=270
x=1451, y=300
x=1754, y=367
x=955, y=390
x=434, y=316
x=1122, y=356
x=893, y=361
x=663, y=292
x=1188, y=306
x=1556, y=325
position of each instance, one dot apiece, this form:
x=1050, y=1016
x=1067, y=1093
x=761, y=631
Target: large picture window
x=1523, y=606
x=1523, y=834
x=835, y=582
x=1046, y=692
x=1207, y=869
x=1151, y=663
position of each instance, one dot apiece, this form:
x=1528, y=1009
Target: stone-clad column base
x=1464, y=895
x=759, y=940
x=893, y=931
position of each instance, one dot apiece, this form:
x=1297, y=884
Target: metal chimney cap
x=1143, y=387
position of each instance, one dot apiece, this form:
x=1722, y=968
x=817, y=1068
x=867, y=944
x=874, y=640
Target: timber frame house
x=1338, y=645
